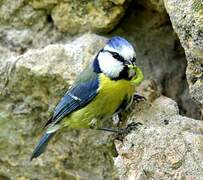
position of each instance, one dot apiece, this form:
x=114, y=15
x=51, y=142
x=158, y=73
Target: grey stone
x=80, y=16
x=159, y=54
x=187, y=19
x=166, y=146
x=31, y=85
x=157, y=5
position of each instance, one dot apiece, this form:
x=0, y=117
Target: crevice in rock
x=49, y=18
x=159, y=53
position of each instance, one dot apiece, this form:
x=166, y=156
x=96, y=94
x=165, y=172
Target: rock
x=166, y=146
x=187, y=20
x=157, y=5
x=23, y=27
x=159, y=54
x=43, y=4
x=30, y=86
x=99, y=16
x=37, y=23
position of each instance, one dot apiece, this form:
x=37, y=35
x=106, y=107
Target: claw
x=121, y=133
x=130, y=127
x=134, y=125
x=138, y=98
x=125, y=131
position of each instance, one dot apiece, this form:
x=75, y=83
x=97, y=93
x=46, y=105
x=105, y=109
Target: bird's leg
x=121, y=133
x=138, y=98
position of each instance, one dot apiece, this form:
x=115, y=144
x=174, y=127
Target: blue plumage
x=41, y=146
x=118, y=43
x=96, y=66
x=78, y=96
x=84, y=102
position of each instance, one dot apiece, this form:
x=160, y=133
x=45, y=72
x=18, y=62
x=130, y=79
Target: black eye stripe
x=118, y=57
x=115, y=55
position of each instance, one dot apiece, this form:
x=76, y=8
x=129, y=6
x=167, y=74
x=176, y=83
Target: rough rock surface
x=166, y=146
x=30, y=86
x=157, y=5
x=32, y=81
x=187, y=20
x=22, y=27
x=159, y=54
x=80, y=16
x=37, y=23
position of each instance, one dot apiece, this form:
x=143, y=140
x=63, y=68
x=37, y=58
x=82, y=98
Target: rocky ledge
x=166, y=146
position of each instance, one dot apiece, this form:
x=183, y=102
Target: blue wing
x=75, y=98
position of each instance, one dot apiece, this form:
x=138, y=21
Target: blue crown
x=118, y=42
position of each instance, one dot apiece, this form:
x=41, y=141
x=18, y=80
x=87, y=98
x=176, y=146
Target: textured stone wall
x=187, y=20
x=44, y=44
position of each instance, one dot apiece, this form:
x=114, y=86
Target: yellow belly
x=110, y=96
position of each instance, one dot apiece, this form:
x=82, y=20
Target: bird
x=105, y=87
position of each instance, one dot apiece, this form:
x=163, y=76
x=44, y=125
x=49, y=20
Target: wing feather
x=75, y=98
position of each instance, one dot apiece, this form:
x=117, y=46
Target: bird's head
x=116, y=60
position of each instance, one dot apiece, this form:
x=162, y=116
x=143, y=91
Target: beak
x=131, y=66
x=127, y=63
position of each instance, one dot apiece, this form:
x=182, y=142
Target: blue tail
x=41, y=146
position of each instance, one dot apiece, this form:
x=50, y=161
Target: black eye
x=133, y=60
x=117, y=56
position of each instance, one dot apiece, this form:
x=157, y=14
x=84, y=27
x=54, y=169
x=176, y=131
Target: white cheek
x=109, y=65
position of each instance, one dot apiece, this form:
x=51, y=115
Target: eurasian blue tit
x=97, y=93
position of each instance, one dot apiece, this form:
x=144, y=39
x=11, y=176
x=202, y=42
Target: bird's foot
x=138, y=98
x=121, y=133
x=125, y=131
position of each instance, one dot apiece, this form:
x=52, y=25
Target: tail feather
x=41, y=146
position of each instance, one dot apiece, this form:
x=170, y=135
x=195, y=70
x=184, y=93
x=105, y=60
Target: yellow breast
x=110, y=96
x=112, y=93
